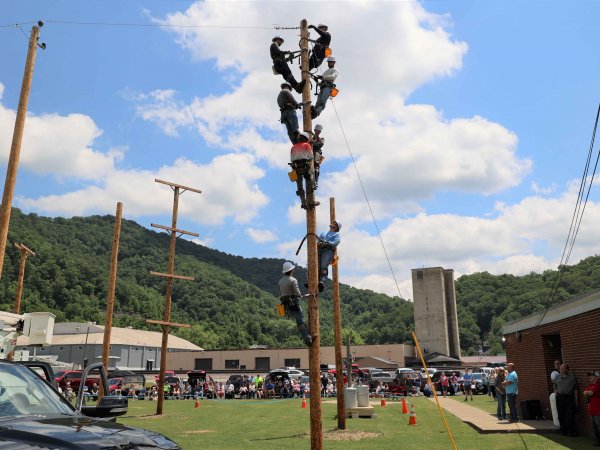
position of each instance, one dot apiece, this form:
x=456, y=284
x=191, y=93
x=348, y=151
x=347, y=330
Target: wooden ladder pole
x=15, y=148
x=25, y=252
x=110, y=301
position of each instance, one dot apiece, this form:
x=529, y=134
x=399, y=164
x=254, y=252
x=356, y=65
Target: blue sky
x=469, y=122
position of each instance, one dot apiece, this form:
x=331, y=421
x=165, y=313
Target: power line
x=152, y=25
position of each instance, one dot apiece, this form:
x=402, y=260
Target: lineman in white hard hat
x=325, y=86
x=301, y=155
x=318, y=52
x=317, y=144
x=290, y=295
x=280, y=65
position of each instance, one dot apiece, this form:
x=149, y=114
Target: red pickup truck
x=74, y=378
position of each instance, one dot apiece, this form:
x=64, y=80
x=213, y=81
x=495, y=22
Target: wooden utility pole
x=314, y=351
x=112, y=283
x=170, y=276
x=15, y=148
x=25, y=252
x=337, y=333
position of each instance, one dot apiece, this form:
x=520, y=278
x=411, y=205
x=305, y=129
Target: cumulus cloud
x=236, y=196
x=261, y=236
x=58, y=145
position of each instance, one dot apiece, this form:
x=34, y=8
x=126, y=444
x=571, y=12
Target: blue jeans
x=325, y=257
x=290, y=120
x=501, y=411
x=322, y=98
x=294, y=310
x=512, y=406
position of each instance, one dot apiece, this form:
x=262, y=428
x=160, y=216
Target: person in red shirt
x=592, y=392
x=301, y=156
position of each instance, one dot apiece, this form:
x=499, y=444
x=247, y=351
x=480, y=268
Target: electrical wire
x=576, y=219
x=152, y=25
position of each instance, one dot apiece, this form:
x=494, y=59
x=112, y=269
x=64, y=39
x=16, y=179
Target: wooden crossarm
x=168, y=324
x=172, y=275
x=176, y=230
x=22, y=247
x=180, y=186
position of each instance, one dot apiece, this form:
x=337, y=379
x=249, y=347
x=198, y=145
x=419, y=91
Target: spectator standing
x=500, y=394
x=467, y=387
x=427, y=390
x=556, y=372
x=592, y=392
x=454, y=382
x=444, y=382
x=492, y=390
x=511, y=386
x=565, y=387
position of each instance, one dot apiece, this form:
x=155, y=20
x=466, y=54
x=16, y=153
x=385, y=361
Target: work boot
x=306, y=285
x=308, y=340
x=313, y=204
x=300, y=86
x=303, y=204
x=321, y=286
x=313, y=113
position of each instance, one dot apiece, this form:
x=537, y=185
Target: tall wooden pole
x=314, y=351
x=167, y=314
x=25, y=252
x=15, y=148
x=337, y=332
x=112, y=284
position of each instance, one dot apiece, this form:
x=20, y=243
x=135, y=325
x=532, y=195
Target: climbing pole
x=314, y=351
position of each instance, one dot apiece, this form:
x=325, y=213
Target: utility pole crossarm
x=176, y=230
x=171, y=275
x=168, y=324
x=180, y=186
x=24, y=249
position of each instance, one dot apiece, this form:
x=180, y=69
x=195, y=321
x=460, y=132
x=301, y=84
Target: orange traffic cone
x=383, y=403
x=197, y=405
x=304, y=401
x=413, y=417
x=404, y=407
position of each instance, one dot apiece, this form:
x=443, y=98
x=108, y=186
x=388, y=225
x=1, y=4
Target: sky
x=462, y=127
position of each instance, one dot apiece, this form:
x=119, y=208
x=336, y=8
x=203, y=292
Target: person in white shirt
x=326, y=85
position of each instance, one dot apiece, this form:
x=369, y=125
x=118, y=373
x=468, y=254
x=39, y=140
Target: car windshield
x=22, y=392
x=477, y=376
x=114, y=381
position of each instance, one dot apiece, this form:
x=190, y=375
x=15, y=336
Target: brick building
x=569, y=332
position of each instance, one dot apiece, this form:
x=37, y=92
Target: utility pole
x=337, y=333
x=314, y=351
x=170, y=276
x=112, y=284
x=15, y=148
x=25, y=252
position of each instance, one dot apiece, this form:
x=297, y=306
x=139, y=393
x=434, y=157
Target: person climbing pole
x=288, y=105
x=326, y=85
x=317, y=145
x=301, y=155
x=290, y=296
x=326, y=247
x=318, y=53
x=280, y=64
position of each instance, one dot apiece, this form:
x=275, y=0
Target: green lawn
x=283, y=424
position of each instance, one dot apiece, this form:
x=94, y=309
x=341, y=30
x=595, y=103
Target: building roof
x=75, y=333
x=572, y=307
x=466, y=360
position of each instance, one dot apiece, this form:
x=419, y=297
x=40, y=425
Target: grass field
x=283, y=424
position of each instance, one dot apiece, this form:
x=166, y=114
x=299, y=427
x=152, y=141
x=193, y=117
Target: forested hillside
x=231, y=303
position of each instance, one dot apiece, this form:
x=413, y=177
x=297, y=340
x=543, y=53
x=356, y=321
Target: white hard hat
x=331, y=59
x=339, y=224
x=322, y=25
x=284, y=84
x=318, y=127
x=287, y=266
x=305, y=134
x=277, y=37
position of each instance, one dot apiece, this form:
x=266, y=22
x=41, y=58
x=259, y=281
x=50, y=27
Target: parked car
x=435, y=379
x=138, y=382
x=236, y=380
x=34, y=415
x=380, y=377
x=196, y=377
x=477, y=384
x=168, y=373
x=116, y=373
x=73, y=377
x=292, y=372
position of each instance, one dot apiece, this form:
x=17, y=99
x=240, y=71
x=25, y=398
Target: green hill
x=231, y=303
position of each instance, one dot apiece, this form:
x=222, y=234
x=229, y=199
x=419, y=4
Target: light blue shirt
x=331, y=237
x=513, y=387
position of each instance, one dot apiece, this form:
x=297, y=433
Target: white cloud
x=58, y=145
x=235, y=195
x=261, y=236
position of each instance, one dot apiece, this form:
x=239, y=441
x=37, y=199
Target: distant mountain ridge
x=231, y=303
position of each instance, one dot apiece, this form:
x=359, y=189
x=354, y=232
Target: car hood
x=77, y=433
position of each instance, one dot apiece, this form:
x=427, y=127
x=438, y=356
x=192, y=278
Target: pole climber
x=288, y=105
x=321, y=44
x=326, y=247
x=280, y=64
x=301, y=155
x=317, y=145
x=326, y=86
x=290, y=296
